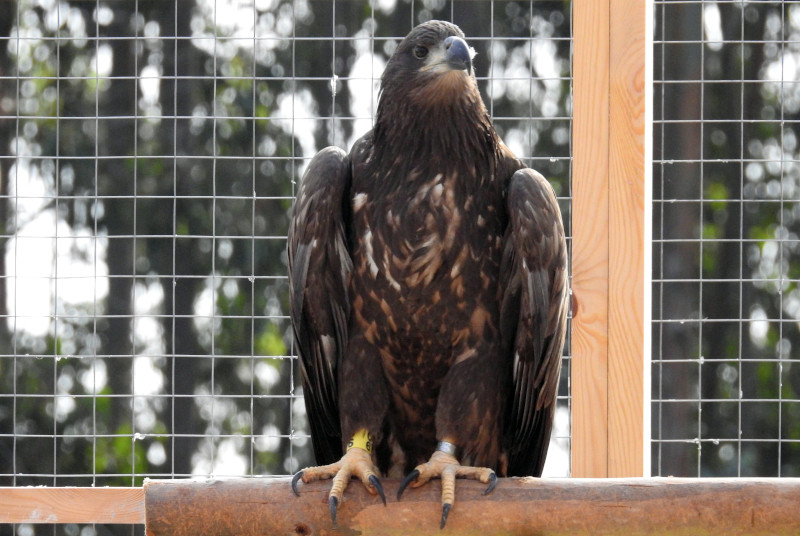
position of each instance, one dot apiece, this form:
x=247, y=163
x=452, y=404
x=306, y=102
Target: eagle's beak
x=457, y=54
x=452, y=55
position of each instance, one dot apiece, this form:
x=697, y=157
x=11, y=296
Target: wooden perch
x=261, y=506
x=518, y=506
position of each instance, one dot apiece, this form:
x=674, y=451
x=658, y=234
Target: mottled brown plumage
x=428, y=278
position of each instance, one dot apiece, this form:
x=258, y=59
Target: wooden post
x=610, y=252
x=630, y=201
x=589, y=241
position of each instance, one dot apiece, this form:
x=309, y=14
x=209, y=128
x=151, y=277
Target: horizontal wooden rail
x=72, y=505
x=252, y=506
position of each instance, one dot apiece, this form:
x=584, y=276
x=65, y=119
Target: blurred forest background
x=149, y=152
x=726, y=216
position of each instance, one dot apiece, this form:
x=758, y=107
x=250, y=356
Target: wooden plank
x=611, y=222
x=629, y=219
x=522, y=506
x=71, y=505
x=590, y=153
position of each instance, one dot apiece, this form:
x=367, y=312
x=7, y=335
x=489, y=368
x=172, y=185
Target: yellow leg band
x=361, y=440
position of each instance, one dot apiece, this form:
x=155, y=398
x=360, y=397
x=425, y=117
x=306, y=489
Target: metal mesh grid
x=726, y=298
x=149, y=156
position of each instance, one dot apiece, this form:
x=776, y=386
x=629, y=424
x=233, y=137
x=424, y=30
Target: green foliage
x=270, y=342
x=122, y=455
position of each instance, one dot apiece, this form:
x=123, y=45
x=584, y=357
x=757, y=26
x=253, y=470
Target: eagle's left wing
x=319, y=265
x=534, y=313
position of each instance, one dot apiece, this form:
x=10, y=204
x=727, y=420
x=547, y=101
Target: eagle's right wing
x=319, y=267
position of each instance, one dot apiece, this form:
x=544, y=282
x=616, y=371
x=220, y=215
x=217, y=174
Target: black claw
x=297, y=476
x=445, y=510
x=333, y=502
x=492, y=484
x=377, y=485
x=412, y=476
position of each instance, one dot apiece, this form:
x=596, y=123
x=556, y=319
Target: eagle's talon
x=356, y=463
x=492, y=483
x=377, y=485
x=412, y=476
x=297, y=476
x=333, y=502
x=445, y=466
x=445, y=511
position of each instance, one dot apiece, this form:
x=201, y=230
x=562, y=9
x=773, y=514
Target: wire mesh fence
x=150, y=152
x=726, y=299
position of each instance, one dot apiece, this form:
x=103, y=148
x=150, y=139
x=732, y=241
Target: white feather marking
x=432, y=239
x=358, y=201
x=387, y=271
x=328, y=346
x=345, y=263
x=373, y=268
x=436, y=193
x=466, y=354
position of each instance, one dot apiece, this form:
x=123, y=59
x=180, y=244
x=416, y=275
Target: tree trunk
x=183, y=376
x=677, y=261
x=116, y=177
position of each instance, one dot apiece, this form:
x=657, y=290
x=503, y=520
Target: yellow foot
x=446, y=467
x=356, y=462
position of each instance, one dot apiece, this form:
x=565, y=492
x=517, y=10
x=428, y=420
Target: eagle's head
x=429, y=101
x=433, y=62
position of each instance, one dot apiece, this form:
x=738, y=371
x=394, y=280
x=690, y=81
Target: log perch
x=526, y=506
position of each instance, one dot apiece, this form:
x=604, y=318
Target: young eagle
x=428, y=275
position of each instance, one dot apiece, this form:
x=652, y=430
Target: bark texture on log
x=526, y=506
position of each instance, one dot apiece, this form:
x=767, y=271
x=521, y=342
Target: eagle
x=428, y=288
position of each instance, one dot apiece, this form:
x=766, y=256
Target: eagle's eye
x=420, y=51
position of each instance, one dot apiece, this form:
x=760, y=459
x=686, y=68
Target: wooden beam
x=245, y=507
x=610, y=227
x=590, y=132
x=629, y=236
x=72, y=505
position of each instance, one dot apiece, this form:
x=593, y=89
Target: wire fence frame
x=730, y=365
x=743, y=319
x=62, y=318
